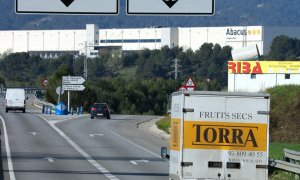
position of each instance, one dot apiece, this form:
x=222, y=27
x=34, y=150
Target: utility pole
x=85, y=64
x=85, y=68
x=176, y=66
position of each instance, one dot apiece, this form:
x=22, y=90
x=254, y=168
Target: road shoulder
x=150, y=127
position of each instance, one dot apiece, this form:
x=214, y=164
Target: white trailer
x=219, y=135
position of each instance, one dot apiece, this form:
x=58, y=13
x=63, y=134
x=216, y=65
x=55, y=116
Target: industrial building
x=53, y=43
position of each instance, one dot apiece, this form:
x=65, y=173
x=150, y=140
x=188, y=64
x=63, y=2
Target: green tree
x=2, y=81
x=283, y=48
x=54, y=82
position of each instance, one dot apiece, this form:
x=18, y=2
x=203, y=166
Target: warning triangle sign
x=190, y=83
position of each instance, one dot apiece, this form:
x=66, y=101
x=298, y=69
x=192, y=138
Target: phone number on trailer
x=253, y=154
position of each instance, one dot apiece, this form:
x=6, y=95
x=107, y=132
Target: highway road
x=34, y=148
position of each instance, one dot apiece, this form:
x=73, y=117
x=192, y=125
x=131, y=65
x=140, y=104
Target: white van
x=15, y=99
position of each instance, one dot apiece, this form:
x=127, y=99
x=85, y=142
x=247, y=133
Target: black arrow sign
x=67, y=2
x=170, y=3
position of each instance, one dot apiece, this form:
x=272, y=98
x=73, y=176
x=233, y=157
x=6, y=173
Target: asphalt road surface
x=36, y=147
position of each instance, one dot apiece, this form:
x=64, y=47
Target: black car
x=100, y=110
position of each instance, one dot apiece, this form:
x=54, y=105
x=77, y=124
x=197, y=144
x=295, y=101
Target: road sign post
x=69, y=100
x=72, y=83
x=59, y=92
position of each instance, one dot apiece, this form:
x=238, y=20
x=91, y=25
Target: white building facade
x=41, y=40
x=257, y=76
x=86, y=40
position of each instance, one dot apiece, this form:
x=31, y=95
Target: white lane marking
x=8, y=154
x=104, y=171
x=133, y=143
x=93, y=135
x=133, y=162
x=34, y=133
x=50, y=159
x=136, y=162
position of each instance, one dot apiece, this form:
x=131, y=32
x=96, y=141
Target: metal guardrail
x=291, y=162
x=290, y=155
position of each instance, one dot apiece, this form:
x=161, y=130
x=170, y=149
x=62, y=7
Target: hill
x=227, y=13
x=285, y=113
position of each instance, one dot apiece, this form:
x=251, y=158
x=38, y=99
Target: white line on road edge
x=7, y=148
x=133, y=143
x=81, y=151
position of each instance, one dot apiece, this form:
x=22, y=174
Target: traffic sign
x=190, y=83
x=172, y=7
x=67, y=2
x=182, y=88
x=72, y=80
x=61, y=107
x=68, y=6
x=190, y=88
x=59, y=90
x=44, y=82
x=170, y=3
x=73, y=87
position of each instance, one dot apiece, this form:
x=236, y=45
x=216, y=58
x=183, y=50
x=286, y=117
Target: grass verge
x=164, y=124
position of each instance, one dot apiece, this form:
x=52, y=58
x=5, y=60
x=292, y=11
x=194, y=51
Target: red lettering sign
x=257, y=69
x=244, y=67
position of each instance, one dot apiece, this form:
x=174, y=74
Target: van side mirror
x=164, y=153
x=27, y=98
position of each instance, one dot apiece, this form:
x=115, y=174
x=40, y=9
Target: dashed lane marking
x=81, y=151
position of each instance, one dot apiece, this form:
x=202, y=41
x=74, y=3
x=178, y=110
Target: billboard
x=263, y=67
x=244, y=33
